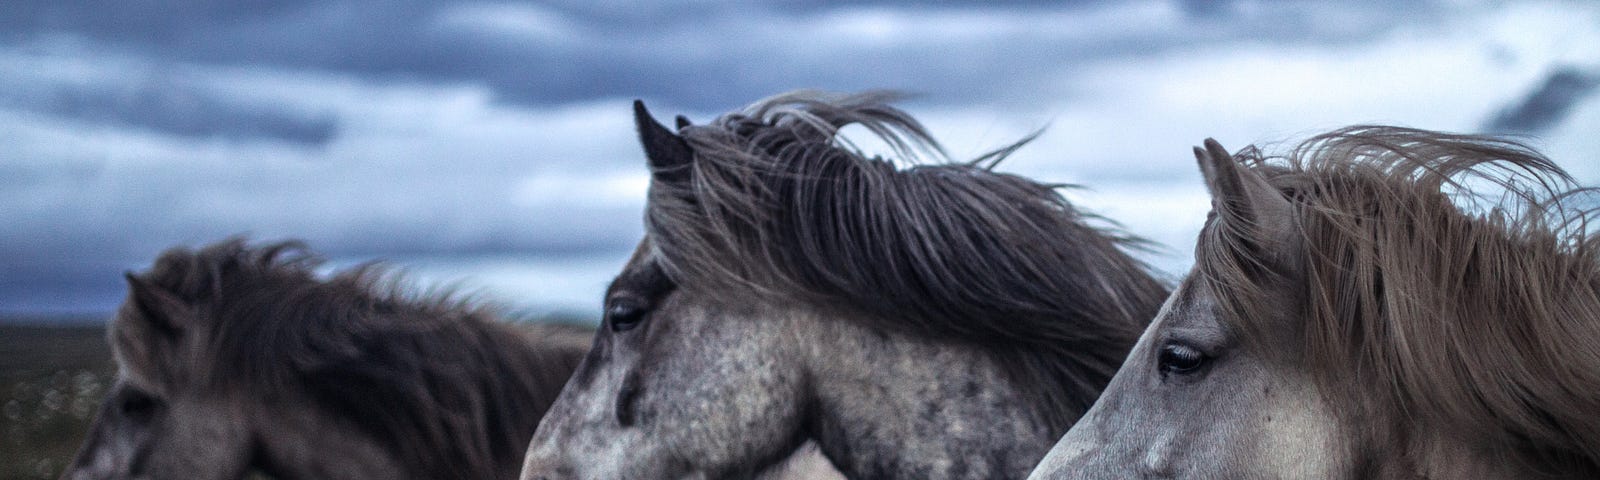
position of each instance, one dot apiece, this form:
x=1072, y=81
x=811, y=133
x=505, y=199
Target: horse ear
x=668, y=154
x=683, y=122
x=159, y=307
x=1243, y=195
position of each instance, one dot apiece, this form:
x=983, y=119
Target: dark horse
x=937, y=321
x=234, y=358
x=1381, y=303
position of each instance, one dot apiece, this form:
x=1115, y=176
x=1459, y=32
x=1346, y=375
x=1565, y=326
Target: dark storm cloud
x=1548, y=103
x=172, y=103
x=694, y=54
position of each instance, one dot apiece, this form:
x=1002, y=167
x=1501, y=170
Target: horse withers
x=235, y=358
x=1381, y=303
x=937, y=321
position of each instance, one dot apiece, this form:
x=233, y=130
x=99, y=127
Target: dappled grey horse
x=234, y=359
x=1380, y=303
x=937, y=321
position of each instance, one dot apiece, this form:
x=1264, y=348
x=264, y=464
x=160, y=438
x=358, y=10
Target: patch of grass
x=52, y=379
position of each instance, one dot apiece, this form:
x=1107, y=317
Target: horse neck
x=530, y=364
x=889, y=405
x=533, y=362
x=296, y=442
x=1448, y=455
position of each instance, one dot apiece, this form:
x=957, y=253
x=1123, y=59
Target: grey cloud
x=694, y=54
x=172, y=99
x=1548, y=103
x=179, y=108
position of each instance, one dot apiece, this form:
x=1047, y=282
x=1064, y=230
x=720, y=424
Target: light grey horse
x=941, y=321
x=233, y=359
x=1355, y=312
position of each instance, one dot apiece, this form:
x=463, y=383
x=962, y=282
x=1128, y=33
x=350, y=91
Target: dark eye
x=138, y=404
x=624, y=314
x=1180, y=359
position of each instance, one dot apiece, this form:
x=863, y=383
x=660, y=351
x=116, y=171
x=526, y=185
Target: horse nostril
x=624, y=407
x=626, y=396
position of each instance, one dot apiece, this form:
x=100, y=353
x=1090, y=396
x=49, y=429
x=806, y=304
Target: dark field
x=51, y=381
x=53, y=374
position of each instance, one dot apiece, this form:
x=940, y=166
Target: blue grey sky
x=488, y=144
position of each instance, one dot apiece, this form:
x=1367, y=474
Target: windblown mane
x=778, y=205
x=1456, y=273
x=440, y=383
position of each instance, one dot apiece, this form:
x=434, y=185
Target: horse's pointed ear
x=1241, y=194
x=159, y=307
x=1220, y=171
x=668, y=154
x=683, y=122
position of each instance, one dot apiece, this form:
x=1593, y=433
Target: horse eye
x=138, y=405
x=1180, y=359
x=624, y=315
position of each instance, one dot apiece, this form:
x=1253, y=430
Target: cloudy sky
x=488, y=144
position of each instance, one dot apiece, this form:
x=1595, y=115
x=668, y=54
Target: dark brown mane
x=1456, y=274
x=779, y=206
x=450, y=391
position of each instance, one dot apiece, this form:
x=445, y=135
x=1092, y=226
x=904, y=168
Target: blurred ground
x=52, y=379
x=53, y=374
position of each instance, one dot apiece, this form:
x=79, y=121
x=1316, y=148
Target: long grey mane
x=776, y=204
x=1454, y=278
x=437, y=380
